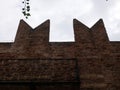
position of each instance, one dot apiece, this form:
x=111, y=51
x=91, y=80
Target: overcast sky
x=61, y=14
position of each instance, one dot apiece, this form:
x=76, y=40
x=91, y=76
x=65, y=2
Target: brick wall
x=92, y=62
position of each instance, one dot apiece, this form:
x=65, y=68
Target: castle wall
x=92, y=58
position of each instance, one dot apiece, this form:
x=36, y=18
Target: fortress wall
x=65, y=50
x=98, y=59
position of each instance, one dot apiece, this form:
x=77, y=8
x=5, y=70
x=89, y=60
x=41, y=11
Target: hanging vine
x=26, y=8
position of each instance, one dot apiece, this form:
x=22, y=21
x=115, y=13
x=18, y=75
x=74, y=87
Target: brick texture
x=92, y=62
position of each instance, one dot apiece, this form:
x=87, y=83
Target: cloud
x=8, y=20
x=61, y=14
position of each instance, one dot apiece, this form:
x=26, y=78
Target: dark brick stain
x=92, y=62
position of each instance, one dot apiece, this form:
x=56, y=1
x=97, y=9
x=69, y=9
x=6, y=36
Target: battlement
x=91, y=60
x=32, y=43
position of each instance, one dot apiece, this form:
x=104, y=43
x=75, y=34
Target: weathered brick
x=91, y=60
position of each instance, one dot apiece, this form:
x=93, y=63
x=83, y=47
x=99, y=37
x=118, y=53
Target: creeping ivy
x=26, y=8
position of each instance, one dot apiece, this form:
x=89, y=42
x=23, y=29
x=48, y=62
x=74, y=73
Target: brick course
x=92, y=62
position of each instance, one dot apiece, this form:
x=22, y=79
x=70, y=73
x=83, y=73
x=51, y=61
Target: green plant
x=26, y=8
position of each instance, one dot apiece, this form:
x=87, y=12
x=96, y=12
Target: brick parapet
x=97, y=57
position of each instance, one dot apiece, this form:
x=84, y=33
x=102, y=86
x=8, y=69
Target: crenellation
x=81, y=32
x=92, y=62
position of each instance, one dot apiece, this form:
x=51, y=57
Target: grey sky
x=61, y=14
